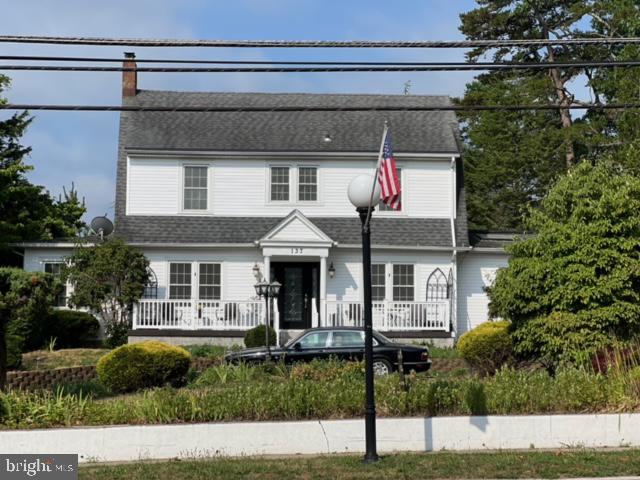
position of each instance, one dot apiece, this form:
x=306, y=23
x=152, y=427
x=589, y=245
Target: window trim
x=393, y=282
x=294, y=187
x=169, y=284
x=199, y=281
x=270, y=184
x=193, y=211
x=298, y=183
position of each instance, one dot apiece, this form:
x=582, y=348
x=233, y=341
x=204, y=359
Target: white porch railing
x=198, y=314
x=391, y=316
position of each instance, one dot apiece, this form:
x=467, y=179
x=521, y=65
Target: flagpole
x=375, y=176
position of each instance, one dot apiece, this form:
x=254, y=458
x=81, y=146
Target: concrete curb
x=147, y=442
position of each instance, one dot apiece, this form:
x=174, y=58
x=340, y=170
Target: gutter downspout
x=454, y=259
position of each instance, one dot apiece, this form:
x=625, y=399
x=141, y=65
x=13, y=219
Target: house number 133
x=296, y=251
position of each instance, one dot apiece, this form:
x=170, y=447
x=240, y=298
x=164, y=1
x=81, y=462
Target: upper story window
x=195, y=188
x=383, y=207
x=279, y=184
x=307, y=184
x=55, y=268
x=403, y=283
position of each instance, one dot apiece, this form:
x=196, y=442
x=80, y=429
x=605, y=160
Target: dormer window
x=195, y=187
x=279, y=184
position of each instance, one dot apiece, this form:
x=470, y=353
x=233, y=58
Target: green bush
x=255, y=337
x=443, y=397
x=206, y=351
x=14, y=352
x=143, y=365
x=487, y=347
x=327, y=370
x=72, y=329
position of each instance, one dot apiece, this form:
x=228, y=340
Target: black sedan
x=343, y=343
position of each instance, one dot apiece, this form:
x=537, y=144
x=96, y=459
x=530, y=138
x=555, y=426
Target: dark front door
x=297, y=294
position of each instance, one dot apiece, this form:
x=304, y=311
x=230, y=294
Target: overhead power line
x=314, y=43
x=390, y=108
x=426, y=67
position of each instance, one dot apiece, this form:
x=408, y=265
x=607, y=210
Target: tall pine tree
x=27, y=211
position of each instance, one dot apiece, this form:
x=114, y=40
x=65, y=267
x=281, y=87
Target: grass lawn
x=72, y=357
x=561, y=463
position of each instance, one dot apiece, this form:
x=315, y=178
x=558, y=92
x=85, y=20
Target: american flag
x=388, y=175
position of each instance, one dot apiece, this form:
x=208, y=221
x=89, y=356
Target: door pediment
x=296, y=229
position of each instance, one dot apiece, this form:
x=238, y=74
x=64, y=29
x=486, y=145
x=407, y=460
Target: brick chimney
x=129, y=78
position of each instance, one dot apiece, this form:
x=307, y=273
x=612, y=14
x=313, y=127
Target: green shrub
x=117, y=333
x=487, y=347
x=72, y=329
x=143, y=365
x=256, y=337
x=327, y=370
x=206, y=351
x=14, y=352
x=442, y=397
x=475, y=398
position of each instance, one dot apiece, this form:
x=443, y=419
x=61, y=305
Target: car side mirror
x=297, y=347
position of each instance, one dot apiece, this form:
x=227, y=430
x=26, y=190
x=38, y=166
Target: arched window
x=151, y=287
x=438, y=286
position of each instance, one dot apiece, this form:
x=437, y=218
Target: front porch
x=239, y=316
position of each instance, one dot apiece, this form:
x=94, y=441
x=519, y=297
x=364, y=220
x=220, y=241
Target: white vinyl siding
x=474, y=273
x=280, y=185
x=196, y=190
x=307, y=184
x=242, y=186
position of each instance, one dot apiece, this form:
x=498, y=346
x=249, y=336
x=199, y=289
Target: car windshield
x=380, y=337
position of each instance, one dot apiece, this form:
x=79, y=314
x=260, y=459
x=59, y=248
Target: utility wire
x=324, y=63
x=433, y=67
x=316, y=43
x=391, y=108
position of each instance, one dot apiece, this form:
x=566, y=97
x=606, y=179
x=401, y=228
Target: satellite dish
x=102, y=226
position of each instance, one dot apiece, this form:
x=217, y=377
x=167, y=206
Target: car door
x=347, y=345
x=312, y=345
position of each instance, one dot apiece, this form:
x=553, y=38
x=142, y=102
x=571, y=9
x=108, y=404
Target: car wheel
x=381, y=366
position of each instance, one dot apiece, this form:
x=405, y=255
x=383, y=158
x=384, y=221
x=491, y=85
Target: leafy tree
x=576, y=283
x=20, y=291
x=27, y=211
x=513, y=158
x=108, y=279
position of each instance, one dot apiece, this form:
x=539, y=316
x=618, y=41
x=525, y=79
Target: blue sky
x=81, y=147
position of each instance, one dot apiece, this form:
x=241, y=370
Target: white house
x=217, y=201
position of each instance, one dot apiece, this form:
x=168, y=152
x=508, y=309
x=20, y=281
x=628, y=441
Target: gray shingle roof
x=208, y=230
x=431, y=132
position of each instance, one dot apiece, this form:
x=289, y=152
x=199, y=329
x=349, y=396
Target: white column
x=267, y=269
x=323, y=291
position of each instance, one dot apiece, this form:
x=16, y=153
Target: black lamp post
x=361, y=196
x=268, y=291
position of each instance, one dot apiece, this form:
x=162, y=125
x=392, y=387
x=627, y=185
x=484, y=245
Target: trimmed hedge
x=487, y=347
x=143, y=365
x=72, y=329
x=255, y=337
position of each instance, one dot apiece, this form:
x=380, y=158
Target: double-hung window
x=279, y=184
x=55, y=269
x=195, y=187
x=378, y=282
x=180, y=281
x=307, y=184
x=209, y=281
x=403, y=283
x=383, y=207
